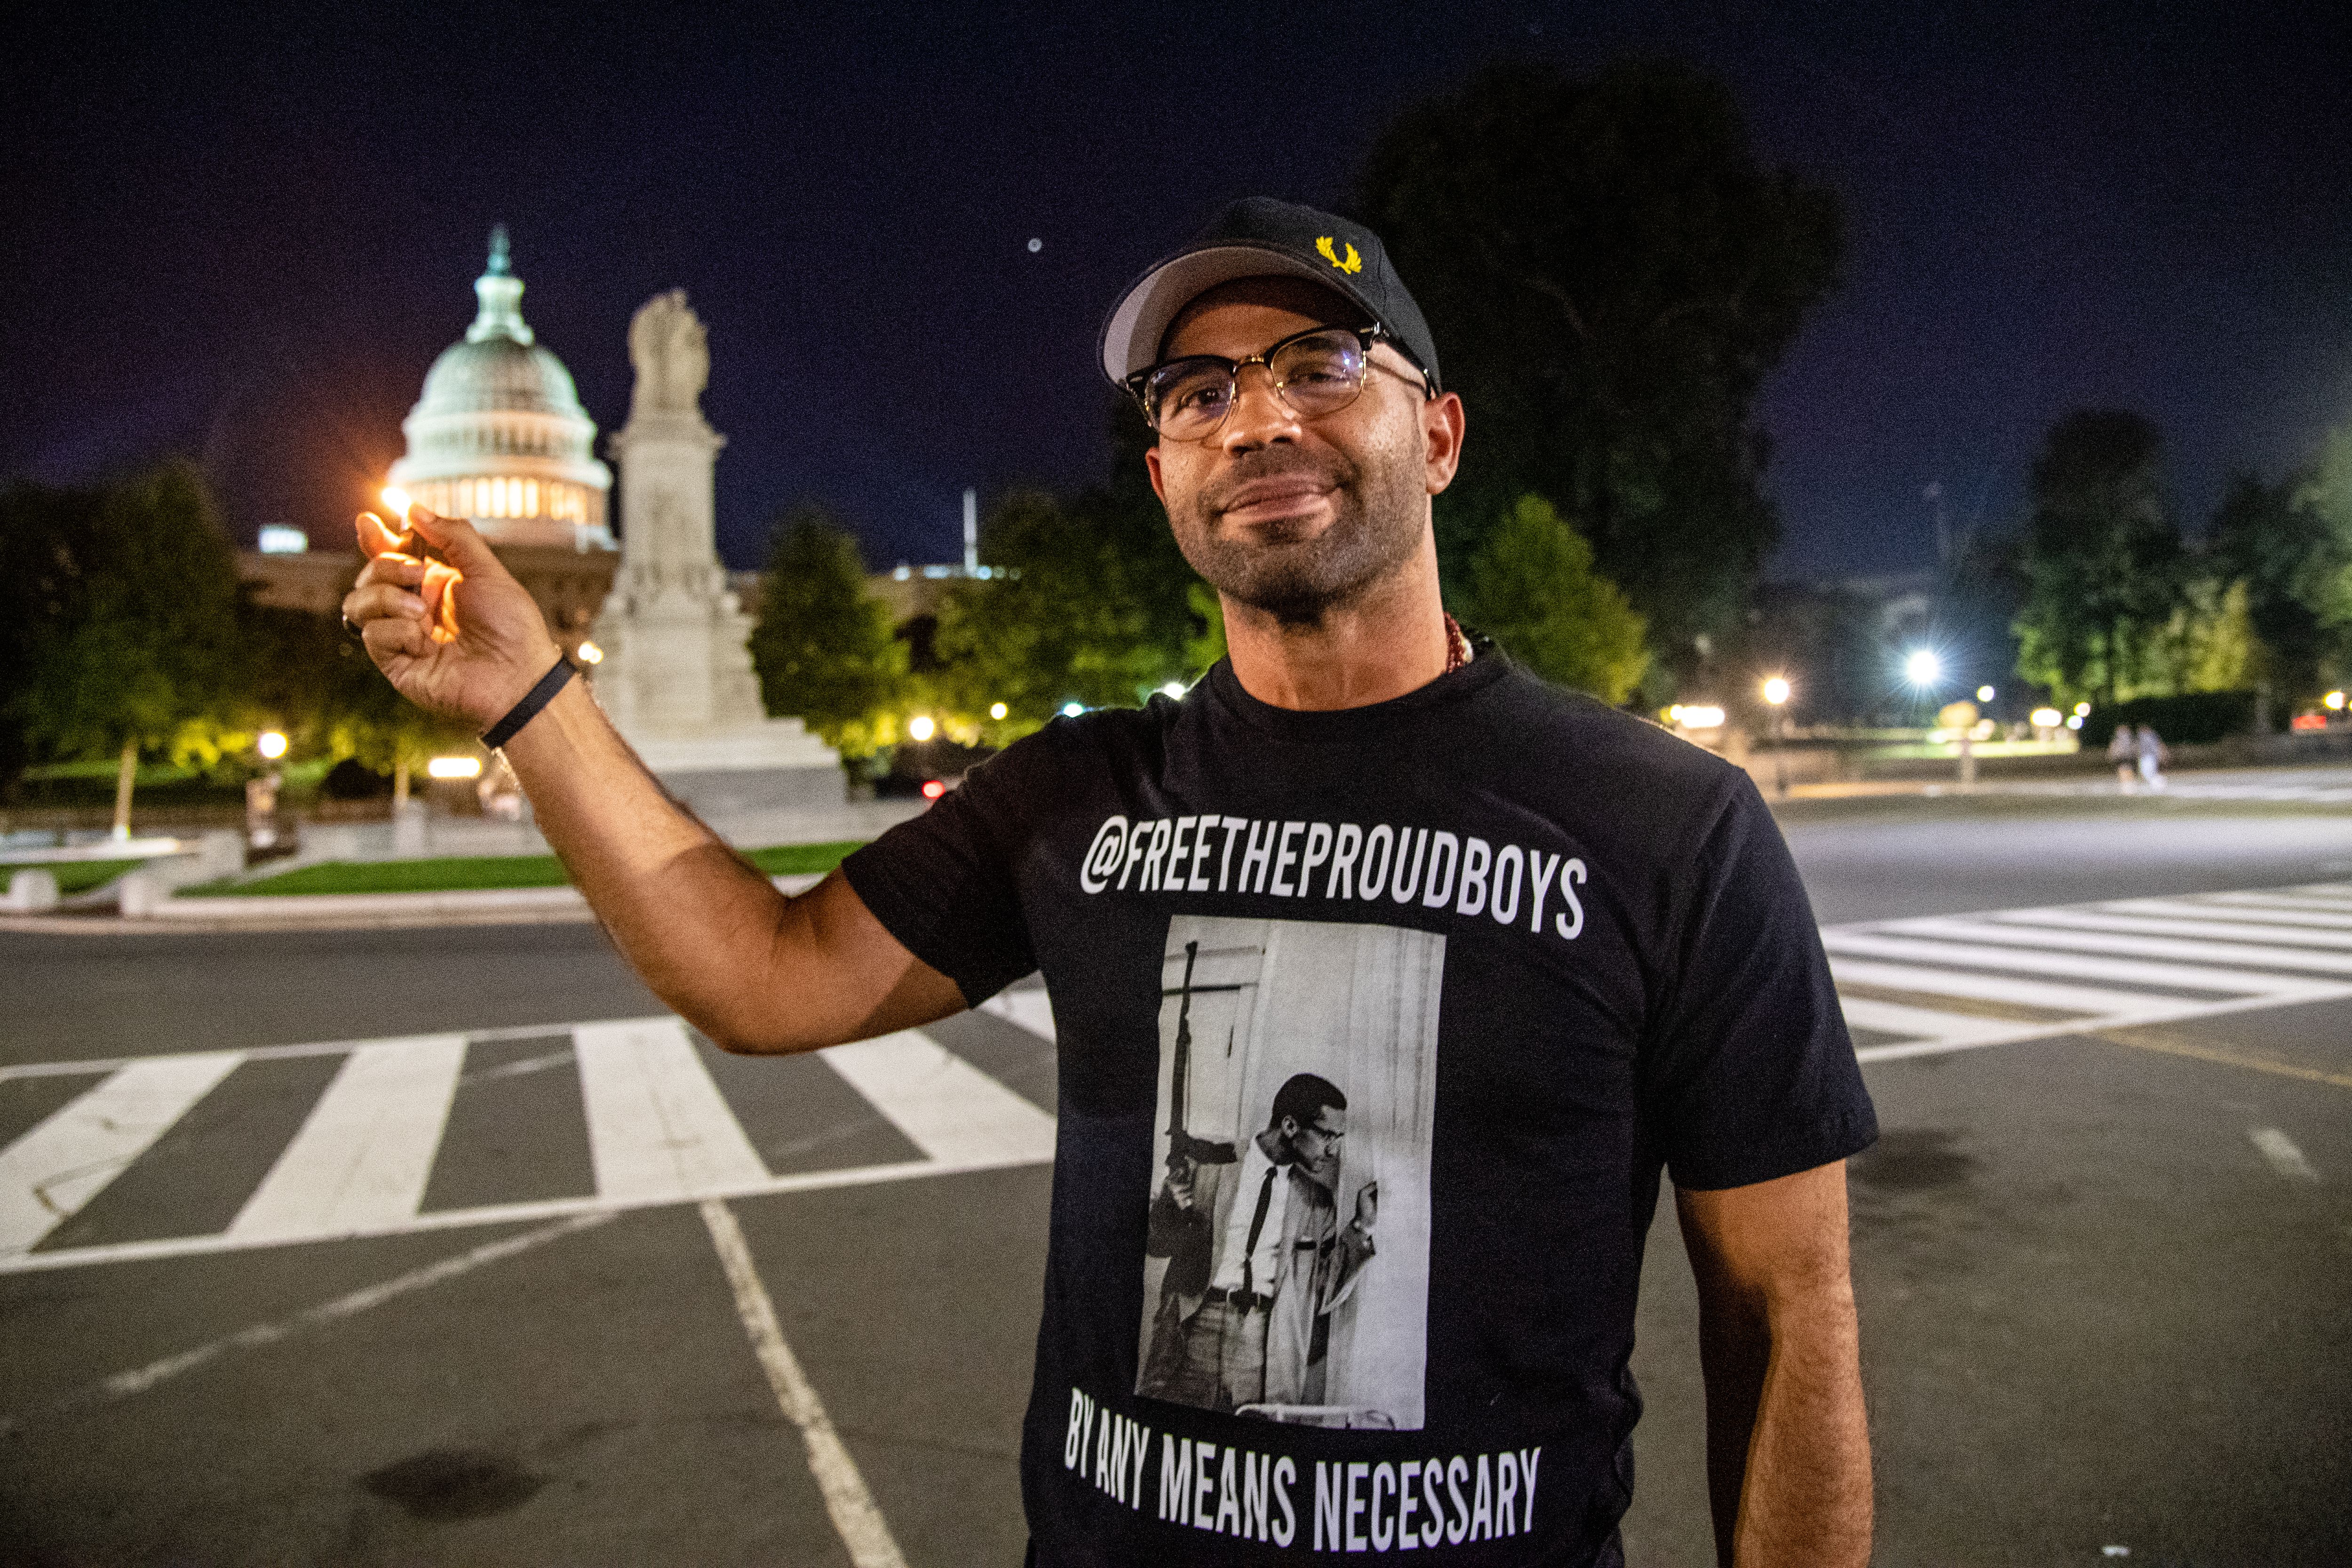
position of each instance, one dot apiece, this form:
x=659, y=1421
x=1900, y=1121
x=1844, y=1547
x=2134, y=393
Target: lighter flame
x=397, y=498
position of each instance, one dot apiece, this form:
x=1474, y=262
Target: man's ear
x=1442, y=429
x=1152, y=467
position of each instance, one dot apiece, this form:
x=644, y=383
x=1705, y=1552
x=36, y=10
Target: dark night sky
x=246, y=235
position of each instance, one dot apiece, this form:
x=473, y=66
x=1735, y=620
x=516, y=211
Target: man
x=1246, y=1303
x=1631, y=980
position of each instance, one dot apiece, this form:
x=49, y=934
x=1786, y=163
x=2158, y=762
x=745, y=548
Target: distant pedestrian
x=2124, y=751
x=2152, y=757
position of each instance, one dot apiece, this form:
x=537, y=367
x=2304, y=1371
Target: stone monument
x=675, y=676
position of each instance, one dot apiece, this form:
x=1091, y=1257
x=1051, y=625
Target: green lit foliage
x=1533, y=589
x=1082, y=609
x=1610, y=272
x=2292, y=561
x=2103, y=562
x=823, y=647
x=133, y=637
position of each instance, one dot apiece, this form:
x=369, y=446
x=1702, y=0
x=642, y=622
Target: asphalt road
x=2105, y=1269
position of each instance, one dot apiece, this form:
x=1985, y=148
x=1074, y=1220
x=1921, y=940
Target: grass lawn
x=464, y=873
x=75, y=875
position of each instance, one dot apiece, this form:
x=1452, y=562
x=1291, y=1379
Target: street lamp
x=920, y=728
x=271, y=744
x=1776, y=695
x=1922, y=668
x=998, y=709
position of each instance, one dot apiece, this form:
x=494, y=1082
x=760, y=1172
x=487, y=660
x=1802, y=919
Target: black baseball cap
x=1258, y=237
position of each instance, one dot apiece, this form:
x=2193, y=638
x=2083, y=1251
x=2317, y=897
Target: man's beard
x=1298, y=579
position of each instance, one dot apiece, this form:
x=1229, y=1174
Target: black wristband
x=524, y=712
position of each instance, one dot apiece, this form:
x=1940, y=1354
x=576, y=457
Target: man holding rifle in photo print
x=1632, y=984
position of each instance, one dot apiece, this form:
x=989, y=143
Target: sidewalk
x=147, y=899
x=2322, y=785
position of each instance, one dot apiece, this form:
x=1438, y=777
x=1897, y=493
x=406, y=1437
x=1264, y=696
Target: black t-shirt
x=1376, y=1027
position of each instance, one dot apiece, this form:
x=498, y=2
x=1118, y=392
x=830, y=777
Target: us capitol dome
x=499, y=437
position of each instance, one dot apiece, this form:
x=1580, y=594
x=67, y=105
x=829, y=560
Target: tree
x=1532, y=588
x=1609, y=272
x=2291, y=562
x=2103, y=560
x=142, y=651
x=1081, y=608
x=45, y=536
x=822, y=645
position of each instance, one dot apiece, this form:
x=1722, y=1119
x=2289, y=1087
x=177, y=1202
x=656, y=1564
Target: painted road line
x=855, y=1517
x=2319, y=912
x=95, y=1065
x=47, y=1176
x=363, y=1158
x=1028, y=1007
x=2154, y=925
x=522, y=1213
x=2043, y=938
x=2128, y=1030
x=1940, y=1028
x=2186, y=909
x=2142, y=1038
x=2177, y=977
x=140, y=1379
x=2091, y=1001
x=2284, y=1157
x=658, y=1127
x=950, y=1110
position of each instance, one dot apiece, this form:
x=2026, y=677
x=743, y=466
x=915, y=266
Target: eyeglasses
x=1318, y=371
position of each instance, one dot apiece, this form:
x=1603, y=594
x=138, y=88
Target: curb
x=329, y=912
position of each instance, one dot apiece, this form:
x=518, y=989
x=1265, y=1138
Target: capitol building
x=500, y=437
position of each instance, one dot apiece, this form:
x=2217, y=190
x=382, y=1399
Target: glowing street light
x=1071, y=710
x=271, y=744
x=1173, y=688
x=920, y=728
x=998, y=709
x=1922, y=668
x=1776, y=689
x=1984, y=694
x=2335, y=700
x=2046, y=718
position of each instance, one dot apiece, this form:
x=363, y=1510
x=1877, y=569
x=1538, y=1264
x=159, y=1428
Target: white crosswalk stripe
x=48, y=1175
x=657, y=1126
x=361, y=1160
x=2012, y=975
x=658, y=1130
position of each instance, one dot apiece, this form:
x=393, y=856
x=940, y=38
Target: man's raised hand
x=457, y=636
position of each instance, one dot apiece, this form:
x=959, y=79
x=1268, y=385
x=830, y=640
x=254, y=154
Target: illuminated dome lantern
x=499, y=437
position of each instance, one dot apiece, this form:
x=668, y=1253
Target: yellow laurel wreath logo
x=1354, y=263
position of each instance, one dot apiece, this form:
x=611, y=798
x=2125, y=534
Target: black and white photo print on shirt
x=1287, y=1269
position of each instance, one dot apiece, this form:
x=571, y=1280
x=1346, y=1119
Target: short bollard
x=33, y=890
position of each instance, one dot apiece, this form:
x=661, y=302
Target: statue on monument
x=671, y=354
x=676, y=676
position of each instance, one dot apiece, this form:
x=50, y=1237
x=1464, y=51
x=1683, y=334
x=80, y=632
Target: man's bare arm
x=710, y=935
x=1787, y=1444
